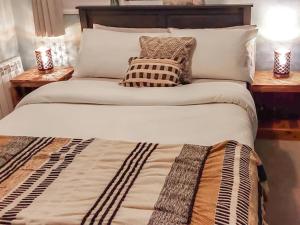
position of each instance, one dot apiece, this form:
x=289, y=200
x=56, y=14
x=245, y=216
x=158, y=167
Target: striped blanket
x=74, y=181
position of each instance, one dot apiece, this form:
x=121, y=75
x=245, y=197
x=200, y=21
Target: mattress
x=201, y=113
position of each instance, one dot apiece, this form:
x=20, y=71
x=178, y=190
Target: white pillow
x=223, y=53
x=131, y=30
x=105, y=53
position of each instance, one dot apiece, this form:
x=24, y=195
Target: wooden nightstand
x=32, y=79
x=278, y=105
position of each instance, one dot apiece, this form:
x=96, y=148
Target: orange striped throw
x=149, y=72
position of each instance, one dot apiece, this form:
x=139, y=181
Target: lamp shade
x=282, y=63
x=44, y=59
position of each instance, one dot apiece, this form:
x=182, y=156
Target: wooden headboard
x=204, y=16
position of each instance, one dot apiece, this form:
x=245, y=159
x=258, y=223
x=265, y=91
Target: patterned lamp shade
x=282, y=63
x=44, y=60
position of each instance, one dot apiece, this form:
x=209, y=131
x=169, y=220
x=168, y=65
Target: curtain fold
x=48, y=17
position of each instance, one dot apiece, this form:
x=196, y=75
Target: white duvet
x=200, y=113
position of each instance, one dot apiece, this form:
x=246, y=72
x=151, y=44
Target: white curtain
x=48, y=17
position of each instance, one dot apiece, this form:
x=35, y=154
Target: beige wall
x=8, y=39
x=27, y=42
x=265, y=46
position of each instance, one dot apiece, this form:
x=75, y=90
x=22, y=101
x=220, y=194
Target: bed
x=86, y=151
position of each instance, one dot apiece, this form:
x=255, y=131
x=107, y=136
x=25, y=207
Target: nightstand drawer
x=277, y=105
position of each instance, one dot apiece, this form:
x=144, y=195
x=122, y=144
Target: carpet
x=282, y=164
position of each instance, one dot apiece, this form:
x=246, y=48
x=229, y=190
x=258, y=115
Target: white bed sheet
x=205, y=124
x=196, y=80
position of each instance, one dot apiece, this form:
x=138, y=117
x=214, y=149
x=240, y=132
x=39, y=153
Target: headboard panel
x=204, y=16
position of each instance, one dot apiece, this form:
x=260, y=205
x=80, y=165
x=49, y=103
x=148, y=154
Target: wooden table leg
x=15, y=96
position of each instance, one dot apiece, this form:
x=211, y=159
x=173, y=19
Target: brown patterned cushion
x=170, y=48
x=147, y=72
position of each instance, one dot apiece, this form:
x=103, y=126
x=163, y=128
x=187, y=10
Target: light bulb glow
x=282, y=52
x=282, y=60
x=280, y=24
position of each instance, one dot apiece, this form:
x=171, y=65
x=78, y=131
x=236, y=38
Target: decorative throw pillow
x=148, y=72
x=170, y=48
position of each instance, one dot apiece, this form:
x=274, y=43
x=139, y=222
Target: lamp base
x=46, y=71
x=281, y=75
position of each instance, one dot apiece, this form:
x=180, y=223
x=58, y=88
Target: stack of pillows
x=163, y=62
x=167, y=57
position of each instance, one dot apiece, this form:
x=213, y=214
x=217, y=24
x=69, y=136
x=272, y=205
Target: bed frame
x=161, y=16
x=204, y=16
